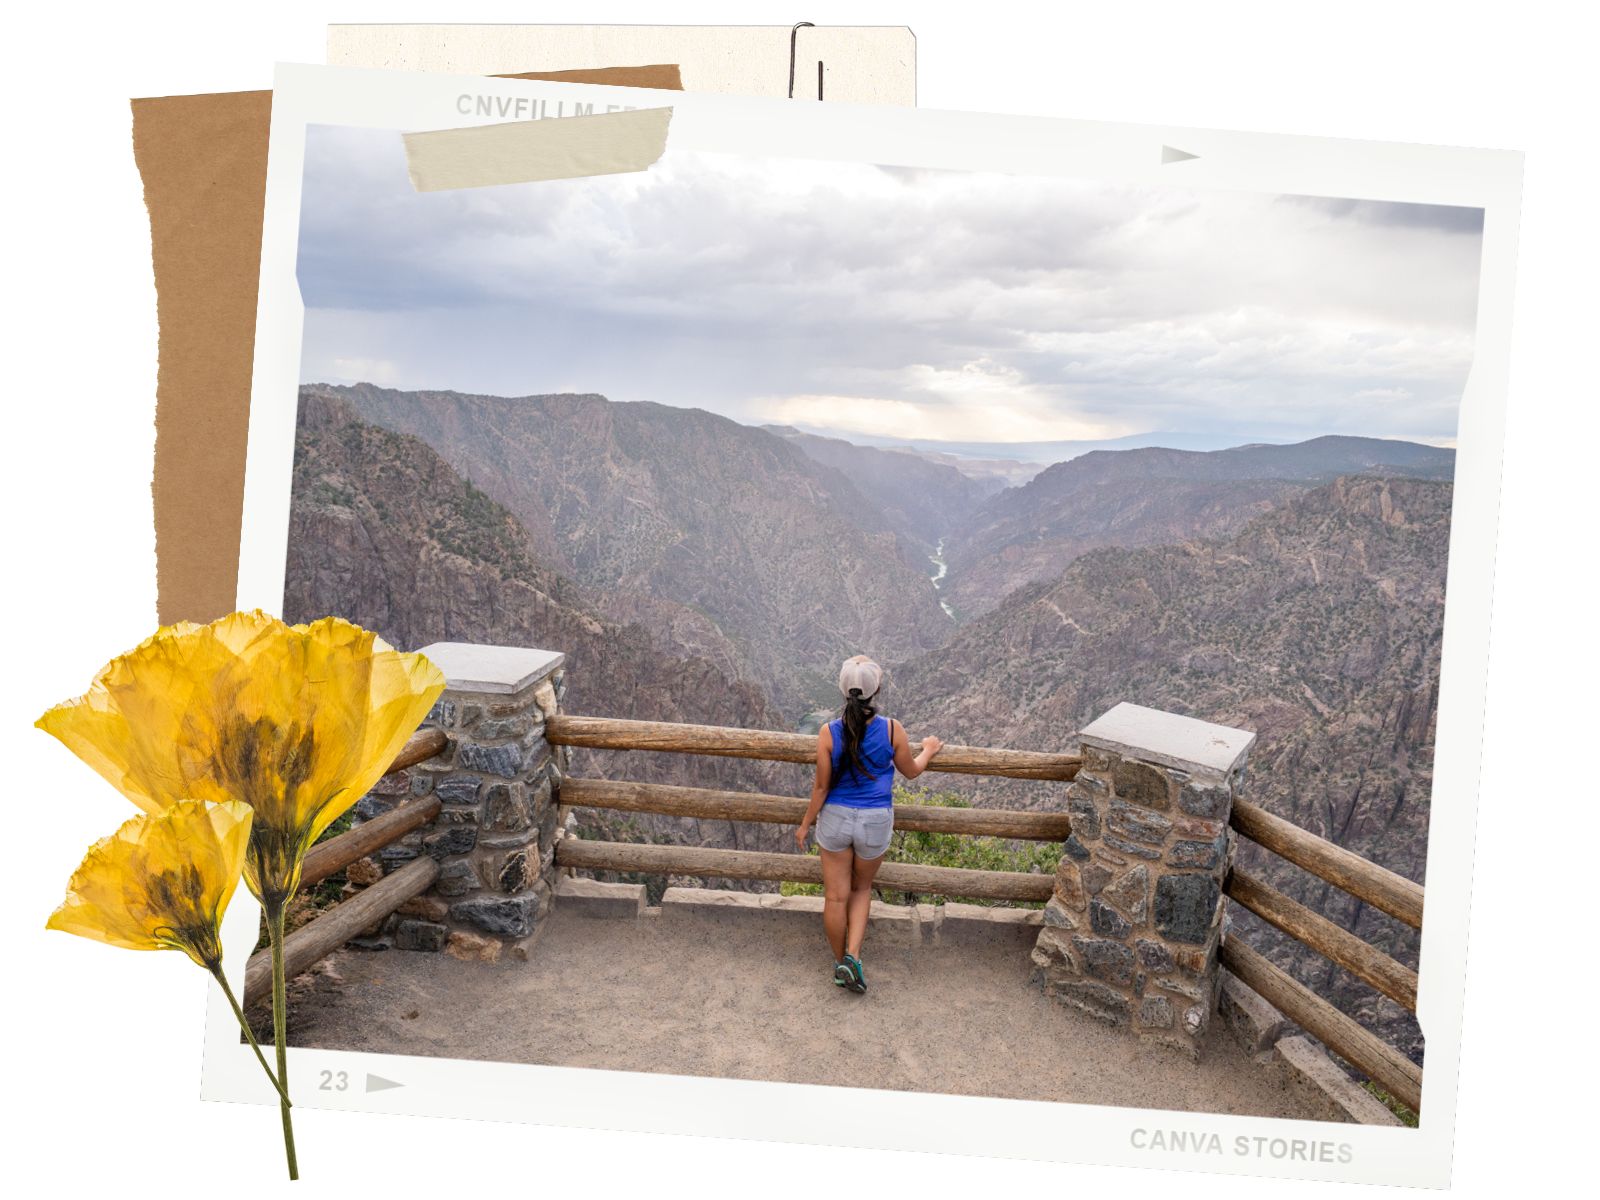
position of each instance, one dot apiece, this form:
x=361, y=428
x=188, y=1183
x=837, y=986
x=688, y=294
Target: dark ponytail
x=858, y=711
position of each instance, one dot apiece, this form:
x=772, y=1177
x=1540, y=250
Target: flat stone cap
x=1169, y=739
x=469, y=667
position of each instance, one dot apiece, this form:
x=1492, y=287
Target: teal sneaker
x=843, y=976
x=858, y=977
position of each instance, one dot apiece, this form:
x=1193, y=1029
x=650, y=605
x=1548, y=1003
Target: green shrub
x=1406, y=1116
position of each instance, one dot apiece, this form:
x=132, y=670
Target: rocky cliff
x=386, y=534
x=1317, y=624
x=679, y=518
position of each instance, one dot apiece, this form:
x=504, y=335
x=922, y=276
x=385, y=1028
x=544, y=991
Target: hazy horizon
x=1037, y=454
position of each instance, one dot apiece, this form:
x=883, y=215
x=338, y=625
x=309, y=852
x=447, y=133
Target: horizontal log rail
x=420, y=747
x=605, y=733
x=1384, y=1065
x=337, y=853
x=709, y=804
x=323, y=935
x=1366, y=963
x=1378, y=886
x=796, y=868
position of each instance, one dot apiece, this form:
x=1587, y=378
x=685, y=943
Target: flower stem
x=249, y=1033
x=279, y=1032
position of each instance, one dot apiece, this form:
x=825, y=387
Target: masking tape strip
x=530, y=151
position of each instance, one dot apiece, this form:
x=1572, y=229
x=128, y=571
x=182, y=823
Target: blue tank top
x=847, y=786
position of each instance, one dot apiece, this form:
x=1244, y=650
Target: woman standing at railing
x=852, y=803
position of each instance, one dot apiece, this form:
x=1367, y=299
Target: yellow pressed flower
x=297, y=721
x=161, y=882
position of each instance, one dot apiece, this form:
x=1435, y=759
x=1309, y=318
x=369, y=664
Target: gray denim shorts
x=866, y=830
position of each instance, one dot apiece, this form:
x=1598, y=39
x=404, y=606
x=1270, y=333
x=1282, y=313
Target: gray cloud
x=943, y=304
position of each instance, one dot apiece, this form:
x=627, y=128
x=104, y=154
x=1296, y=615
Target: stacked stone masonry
x=1132, y=931
x=498, y=784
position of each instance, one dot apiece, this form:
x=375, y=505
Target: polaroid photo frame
x=1197, y=160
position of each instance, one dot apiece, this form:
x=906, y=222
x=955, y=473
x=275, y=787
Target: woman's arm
x=908, y=764
x=819, y=786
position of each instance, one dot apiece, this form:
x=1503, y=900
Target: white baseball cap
x=860, y=673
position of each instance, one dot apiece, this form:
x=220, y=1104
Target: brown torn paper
x=203, y=160
x=535, y=151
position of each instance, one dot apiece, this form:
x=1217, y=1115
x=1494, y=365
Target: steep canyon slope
x=650, y=506
x=1318, y=625
x=385, y=533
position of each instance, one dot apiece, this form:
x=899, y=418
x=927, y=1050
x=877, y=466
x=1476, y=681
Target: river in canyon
x=937, y=559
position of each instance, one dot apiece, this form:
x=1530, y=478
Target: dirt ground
x=673, y=997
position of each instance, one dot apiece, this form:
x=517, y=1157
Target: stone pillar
x=1132, y=932
x=495, y=833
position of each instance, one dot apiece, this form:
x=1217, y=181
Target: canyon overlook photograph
x=1040, y=447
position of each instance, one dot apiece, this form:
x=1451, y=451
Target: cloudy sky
x=929, y=306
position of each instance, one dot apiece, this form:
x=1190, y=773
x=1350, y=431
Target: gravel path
x=681, y=998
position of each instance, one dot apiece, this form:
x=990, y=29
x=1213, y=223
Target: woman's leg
x=861, y=876
x=837, y=866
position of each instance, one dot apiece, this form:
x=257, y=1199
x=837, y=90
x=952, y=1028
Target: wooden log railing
x=604, y=733
x=1381, y=888
x=708, y=804
x=1366, y=963
x=420, y=747
x=1381, y=1063
x=797, y=868
x=1385, y=890
x=337, y=853
x=622, y=795
x=1367, y=881
x=325, y=933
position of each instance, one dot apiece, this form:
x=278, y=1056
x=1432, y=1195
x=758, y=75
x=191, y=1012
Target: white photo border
x=1126, y=154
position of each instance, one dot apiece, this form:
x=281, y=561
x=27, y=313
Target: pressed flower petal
x=161, y=882
x=141, y=725
x=99, y=734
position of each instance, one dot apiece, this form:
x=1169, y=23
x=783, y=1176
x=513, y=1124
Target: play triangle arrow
x=377, y=1083
x=1171, y=154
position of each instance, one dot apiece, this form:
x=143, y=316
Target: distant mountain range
x=1019, y=461
x=1146, y=497
x=699, y=570
x=920, y=496
x=991, y=473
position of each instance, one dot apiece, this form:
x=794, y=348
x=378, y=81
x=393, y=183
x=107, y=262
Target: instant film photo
x=963, y=632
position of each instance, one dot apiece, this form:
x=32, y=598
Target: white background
x=102, y=1047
